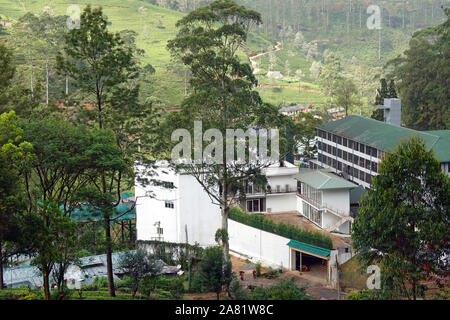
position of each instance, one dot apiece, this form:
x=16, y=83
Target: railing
x=271, y=191
x=323, y=206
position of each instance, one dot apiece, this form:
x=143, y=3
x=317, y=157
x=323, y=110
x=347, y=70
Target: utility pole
x=189, y=258
x=337, y=279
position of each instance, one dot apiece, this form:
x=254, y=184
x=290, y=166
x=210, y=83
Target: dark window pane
x=345, y=142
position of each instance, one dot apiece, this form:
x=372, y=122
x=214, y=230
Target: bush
x=364, y=294
x=173, y=285
x=281, y=229
x=258, y=269
x=237, y=292
x=283, y=290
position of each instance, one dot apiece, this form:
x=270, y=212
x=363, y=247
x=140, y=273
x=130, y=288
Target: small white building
x=171, y=215
x=324, y=199
x=279, y=195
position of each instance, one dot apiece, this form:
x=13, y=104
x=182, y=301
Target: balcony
x=269, y=190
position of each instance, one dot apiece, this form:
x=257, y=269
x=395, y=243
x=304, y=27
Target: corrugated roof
x=387, y=137
x=323, y=179
x=442, y=147
x=309, y=248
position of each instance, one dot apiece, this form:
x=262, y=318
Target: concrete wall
x=150, y=210
x=338, y=200
x=258, y=246
x=199, y=214
x=281, y=202
x=192, y=209
x=282, y=181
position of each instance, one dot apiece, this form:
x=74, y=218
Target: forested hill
x=153, y=25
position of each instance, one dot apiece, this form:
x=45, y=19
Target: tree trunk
x=1, y=267
x=45, y=275
x=225, y=244
x=109, y=266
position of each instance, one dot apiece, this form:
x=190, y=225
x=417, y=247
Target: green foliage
x=423, y=78
x=364, y=294
x=283, y=290
x=237, y=292
x=258, y=269
x=213, y=272
x=51, y=234
x=403, y=220
x=141, y=268
x=174, y=253
x=281, y=229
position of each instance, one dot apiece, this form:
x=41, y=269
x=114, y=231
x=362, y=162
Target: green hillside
x=154, y=26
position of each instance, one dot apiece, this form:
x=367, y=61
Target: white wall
x=268, y=248
x=192, y=208
x=281, y=202
x=197, y=212
x=151, y=210
x=282, y=181
x=338, y=199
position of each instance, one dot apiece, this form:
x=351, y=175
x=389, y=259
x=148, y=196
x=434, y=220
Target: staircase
x=339, y=223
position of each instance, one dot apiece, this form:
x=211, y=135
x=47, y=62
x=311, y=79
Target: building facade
x=354, y=146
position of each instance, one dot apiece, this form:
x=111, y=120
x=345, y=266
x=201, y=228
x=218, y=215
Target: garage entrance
x=310, y=259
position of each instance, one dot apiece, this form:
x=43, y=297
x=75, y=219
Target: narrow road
x=255, y=64
x=256, y=69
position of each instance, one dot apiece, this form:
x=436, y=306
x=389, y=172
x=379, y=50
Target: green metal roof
x=309, y=248
x=323, y=179
x=387, y=137
x=442, y=147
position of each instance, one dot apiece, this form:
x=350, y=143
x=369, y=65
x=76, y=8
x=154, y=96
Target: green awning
x=309, y=248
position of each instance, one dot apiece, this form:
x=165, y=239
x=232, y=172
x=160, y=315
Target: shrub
x=281, y=229
x=283, y=290
x=258, y=269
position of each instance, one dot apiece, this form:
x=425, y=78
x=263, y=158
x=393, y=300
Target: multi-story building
x=279, y=194
x=325, y=199
x=354, y=146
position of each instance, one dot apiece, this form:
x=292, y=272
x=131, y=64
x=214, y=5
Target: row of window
x=351, y=171
x=312, y=213
x=350, y=144
x=347, y=156
x=311, y=193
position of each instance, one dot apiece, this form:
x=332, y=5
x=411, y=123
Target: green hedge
x=281, y=229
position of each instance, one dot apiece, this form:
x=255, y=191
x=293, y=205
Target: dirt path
x=289, y=88
x=254, y=64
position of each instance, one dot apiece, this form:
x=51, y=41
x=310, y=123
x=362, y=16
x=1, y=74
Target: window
x=334, y=138
x=329, y=136
x=169, y=204
x=256, y=205
x=374, y=152
x=367, y=164
x=362, y=175
x=334, y=163
x=361, y=162
x=159, y=230
x=339, y=140
x=355, y=159
x=334, y=151
x=339, y=153
x=374, y=167
x=344, y=140
x=356, y=146
x=368, y=150
x=344, y=155
x=350, y=144
x=339, y=166
x=362, y=148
